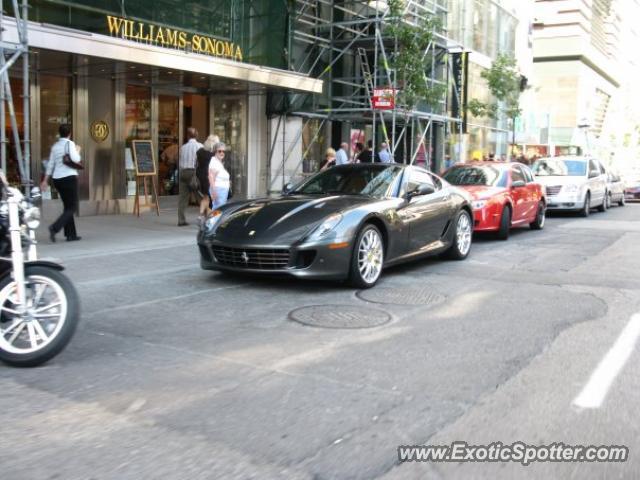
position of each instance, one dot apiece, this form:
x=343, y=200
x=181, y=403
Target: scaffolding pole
x=11, y=52
x=331, y=35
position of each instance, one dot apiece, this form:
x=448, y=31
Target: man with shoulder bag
x=64, y=163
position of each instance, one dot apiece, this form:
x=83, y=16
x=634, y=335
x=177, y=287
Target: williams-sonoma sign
x=171, y=38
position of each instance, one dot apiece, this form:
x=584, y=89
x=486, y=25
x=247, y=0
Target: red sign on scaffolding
x=384, y=98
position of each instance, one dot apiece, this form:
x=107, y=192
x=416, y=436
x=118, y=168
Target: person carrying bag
x=65, y=179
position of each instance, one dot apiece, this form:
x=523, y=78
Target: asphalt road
x=180, y=373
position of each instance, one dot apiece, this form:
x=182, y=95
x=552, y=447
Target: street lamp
x=584, y=125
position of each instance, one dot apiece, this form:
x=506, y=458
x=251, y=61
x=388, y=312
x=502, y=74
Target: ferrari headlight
x=478, y=204
x=31, y=217
x=211, y=222
x=326, y=227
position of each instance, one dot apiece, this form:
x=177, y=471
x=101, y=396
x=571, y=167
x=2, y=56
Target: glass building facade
x=486, y=28
x=148, y=70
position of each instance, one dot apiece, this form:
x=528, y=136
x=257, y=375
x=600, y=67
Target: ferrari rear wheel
x=367, y=258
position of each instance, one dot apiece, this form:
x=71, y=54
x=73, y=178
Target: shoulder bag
x=66, y=159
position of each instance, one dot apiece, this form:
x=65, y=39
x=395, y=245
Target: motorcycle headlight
x=478, y=204
x=211, y=222
x=325, y=227
x=31, y=217
x=571, y=188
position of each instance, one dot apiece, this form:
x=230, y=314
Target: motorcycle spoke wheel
x=31, y=327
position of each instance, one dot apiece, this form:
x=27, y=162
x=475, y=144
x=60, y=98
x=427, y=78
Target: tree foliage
x=409, y=59
x=504, y=82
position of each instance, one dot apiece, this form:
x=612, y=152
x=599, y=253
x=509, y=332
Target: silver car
x=573, y=183
x=615, y=189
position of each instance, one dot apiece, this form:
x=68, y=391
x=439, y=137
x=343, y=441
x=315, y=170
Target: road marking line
x=610, y=366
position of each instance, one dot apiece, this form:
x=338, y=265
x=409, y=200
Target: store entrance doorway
x=196, y=114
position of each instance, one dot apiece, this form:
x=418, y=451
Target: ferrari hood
x=280, y=221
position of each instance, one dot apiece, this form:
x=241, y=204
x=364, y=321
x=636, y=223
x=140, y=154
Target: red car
x=505, y=195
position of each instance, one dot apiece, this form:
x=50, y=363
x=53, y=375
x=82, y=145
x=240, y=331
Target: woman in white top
x=65, y=179
x=219, y=179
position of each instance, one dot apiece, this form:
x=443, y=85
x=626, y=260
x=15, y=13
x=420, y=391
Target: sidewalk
x=112, y=234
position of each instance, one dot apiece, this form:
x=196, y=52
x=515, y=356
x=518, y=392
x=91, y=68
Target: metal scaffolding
x=348, y=45
x=12, y=52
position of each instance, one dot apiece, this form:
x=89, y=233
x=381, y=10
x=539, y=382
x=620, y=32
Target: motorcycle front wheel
x=39, y=331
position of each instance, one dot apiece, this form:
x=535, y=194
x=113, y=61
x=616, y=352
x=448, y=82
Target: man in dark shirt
x=368, y=155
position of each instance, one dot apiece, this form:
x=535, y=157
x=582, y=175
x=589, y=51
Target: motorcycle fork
x=17, y=255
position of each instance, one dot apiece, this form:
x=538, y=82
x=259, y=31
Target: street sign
x=384, y=98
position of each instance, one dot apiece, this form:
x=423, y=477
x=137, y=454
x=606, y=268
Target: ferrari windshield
x=557, y=167
x=371, y=180
x=483, y=175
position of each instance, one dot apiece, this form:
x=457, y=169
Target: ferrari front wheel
x=462, y=236
x=367, y=258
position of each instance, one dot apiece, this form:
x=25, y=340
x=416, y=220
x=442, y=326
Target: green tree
x=409, y=60
x=505, y=84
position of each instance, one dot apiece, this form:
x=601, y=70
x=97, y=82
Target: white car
x=573, y=183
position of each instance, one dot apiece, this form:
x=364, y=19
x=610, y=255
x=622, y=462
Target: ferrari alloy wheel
x=368, y=258
x=463, y=233
x=538, y=223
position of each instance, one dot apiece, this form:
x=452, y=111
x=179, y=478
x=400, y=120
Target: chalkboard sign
x=143, y=157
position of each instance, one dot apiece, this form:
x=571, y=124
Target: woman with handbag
x=64, y=163
x=201, y=185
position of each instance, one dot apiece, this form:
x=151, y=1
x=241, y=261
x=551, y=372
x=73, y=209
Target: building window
x=138, y=113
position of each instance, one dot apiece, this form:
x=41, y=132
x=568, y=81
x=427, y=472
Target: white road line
x=610, y=366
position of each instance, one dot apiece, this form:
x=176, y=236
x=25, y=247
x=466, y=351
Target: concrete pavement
x=180, y=373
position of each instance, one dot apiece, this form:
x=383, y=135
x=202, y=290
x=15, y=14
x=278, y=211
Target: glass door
x=230, y=124
x=168, y=143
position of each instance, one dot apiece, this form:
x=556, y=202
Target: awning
x=85, y=43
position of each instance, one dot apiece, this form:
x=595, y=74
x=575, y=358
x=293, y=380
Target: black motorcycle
x=39, y=306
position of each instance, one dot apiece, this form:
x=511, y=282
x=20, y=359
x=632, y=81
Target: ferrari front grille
x=252, y=258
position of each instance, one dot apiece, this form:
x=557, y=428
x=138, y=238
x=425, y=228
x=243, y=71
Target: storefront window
x=55, y=109
x=138, y=113
x=13, y=171
x=230, y=125
x=168, y=146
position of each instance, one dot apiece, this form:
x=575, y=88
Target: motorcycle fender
x=44, y=263
x=5, y=265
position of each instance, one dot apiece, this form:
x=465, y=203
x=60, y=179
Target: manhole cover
x=424, y=295
x=339, y=316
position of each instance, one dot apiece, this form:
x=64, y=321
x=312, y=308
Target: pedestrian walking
x=368, y=155
x=219, y=178
x=65, y=179
x=329, y=159
x=384, y=154
x=203, y=159
x=342, y=155
x=359, y=148
x=187, y=171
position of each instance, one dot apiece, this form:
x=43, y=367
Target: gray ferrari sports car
x=347, y=222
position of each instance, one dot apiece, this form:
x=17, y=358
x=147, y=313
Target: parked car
x=572, y=183
x=632, y=189
x=505, y=195
x=347, y=222
x=615, y=189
